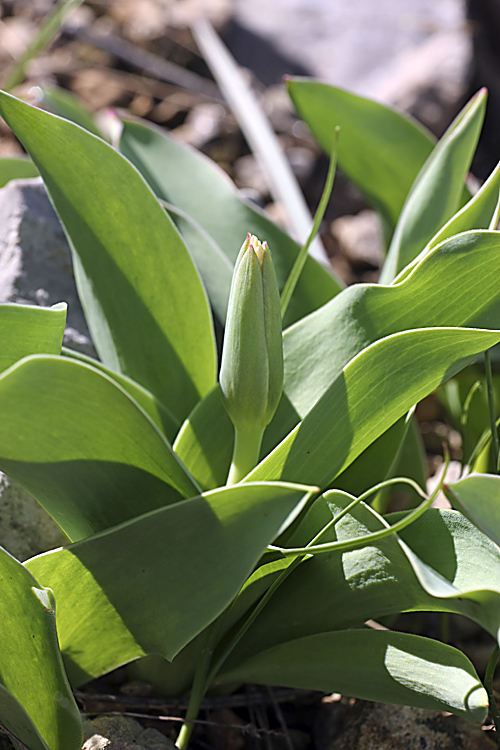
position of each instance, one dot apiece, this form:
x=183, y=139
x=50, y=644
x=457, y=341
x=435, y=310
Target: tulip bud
x=251, y=376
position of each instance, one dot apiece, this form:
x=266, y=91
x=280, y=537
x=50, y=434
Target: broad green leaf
x=478, y=497
x=36, y=703
x=128, y=259
x=372, y=665
x=454, y=285
x=213, y=265
x=16, y=168
x=194, y=184
x=373, y=391
x=481, y=212
x=159, y=413
x=456, y=564
x=83, y=447
x=337, y=590
x=26, y=330
x=380, y=149
x=183, y=565
x=436, y=193
x=374, y=465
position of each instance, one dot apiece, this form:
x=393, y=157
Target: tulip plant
x=220, y=524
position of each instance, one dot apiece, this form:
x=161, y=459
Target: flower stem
x=245, y=454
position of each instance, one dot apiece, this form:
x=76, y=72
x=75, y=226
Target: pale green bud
x=251, y=376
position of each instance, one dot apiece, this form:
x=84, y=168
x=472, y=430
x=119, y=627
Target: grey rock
x=25, y=528
x=35, y=269
x=380, y=726
x=123, y=733
x=35, y=260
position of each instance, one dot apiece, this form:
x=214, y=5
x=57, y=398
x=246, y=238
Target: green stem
x=491, y=404
x=488, y=684
x=245, y=454
x=199, y=685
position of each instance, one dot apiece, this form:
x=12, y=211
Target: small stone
x=381, y=726
x=124, y=733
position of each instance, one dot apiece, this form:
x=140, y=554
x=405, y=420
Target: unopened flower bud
x=251, y=376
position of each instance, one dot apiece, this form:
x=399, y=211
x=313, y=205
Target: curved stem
x=245, y=454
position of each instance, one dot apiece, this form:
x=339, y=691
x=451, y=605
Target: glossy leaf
x=478, y=497
x=481, y=212
x=380, y=149
x=213, y=265
x=36, y=703
x=16, y=168
x=455, y=563
x=128, y=259
x=337, y=590
x=83, y=447
x=373, y=391
x=372, y=665
x=183, y=566
x=194, y=184
x=26, y=330
x=160, y=415
x=436, y=193
x=454, y=285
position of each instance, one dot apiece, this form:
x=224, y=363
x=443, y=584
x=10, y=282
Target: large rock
x=380, y=726
x=35, y=269
x=35, y=260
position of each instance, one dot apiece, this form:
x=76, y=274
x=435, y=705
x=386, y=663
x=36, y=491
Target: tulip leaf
x=83, y=447
x=159, y=413
x=194, y=184
x=380, y=149
x=16, y=168
x=372, y=665
x=454, y=285
x=341, y=589
x=438, y=546
x=437, y=191
x=183, y=565
x=36, y=704
x=478, y=497
x=481, y=212
x=373, y=391
x=26, y=330
x=128, y=258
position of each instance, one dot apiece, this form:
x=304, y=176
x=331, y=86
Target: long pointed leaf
x=26, y=330
x=478, y=497
x=83, y=447
x=183, y=566
x=380, y=149
x=435, y=195
x=128, y=260
x=373, y=665
x=36, y=703
x=194, y=184
x=373, y=392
